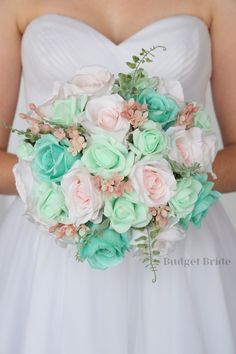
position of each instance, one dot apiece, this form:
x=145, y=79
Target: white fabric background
x=229, y=199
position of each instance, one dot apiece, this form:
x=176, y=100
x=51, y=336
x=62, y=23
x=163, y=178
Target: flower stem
x=141, y=60
x=153, y=269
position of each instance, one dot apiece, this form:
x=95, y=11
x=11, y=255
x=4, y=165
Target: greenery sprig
x=29, y=136
x=145, y=57
x=131, y=84
x=147, y=245
x=182, y=171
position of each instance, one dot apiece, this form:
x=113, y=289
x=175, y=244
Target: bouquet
x=111, y=165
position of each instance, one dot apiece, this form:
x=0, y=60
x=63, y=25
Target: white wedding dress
x=50, y=303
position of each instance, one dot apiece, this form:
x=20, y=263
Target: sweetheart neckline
x=129, y=38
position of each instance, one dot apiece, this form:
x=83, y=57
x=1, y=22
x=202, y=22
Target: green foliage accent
x=101, y=227
x=135, y=58
x=82, y=242
x=131, y=84
x=181, y=170
x=77, y=257
x=131, y=65
x=29, y=136
x=147, y=245
x=145, y=56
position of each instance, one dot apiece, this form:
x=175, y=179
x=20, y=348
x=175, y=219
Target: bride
x=51, y=304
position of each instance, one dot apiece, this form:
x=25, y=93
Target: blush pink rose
x=92, y=80
x=103, y=114
x=83, y=199
x=153, y=181
x=191, y=146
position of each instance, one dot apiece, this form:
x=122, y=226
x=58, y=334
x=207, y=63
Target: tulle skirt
x=51, y=304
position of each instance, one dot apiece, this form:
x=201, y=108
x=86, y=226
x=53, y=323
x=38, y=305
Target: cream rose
x=103, y=115
x=83, y=199
x=153, y=181
x=191, y=146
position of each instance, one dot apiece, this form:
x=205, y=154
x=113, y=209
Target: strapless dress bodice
x=55, y=46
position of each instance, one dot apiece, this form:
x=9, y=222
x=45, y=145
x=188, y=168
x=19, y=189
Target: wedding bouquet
x=113, y=165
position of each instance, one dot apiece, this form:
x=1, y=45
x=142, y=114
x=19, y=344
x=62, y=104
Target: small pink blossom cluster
x=59, y=134
x=61, y=230
x=186, y=116
x=38, y=126
x=135, y=112
x=77, y=141
x=160, y=215
x=113, y=187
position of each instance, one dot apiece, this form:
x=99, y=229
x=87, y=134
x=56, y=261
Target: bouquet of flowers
x=113, y=165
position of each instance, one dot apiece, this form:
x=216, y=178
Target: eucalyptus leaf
x=135, y=58
x=131, y=65
x=141, y=238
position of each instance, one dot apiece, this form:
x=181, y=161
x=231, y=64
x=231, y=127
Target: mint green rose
x=105, y=156
x=126, y=212
x=49, y=203
x=52, y=160
x=161, y=109
x=149, y=140
x=65, y=111
x=202, y=120
x=25, y=151
x=106, y=250
x=186, y=196
x=206, y=198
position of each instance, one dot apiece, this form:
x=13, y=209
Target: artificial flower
x=105, y=156
x=52, y=160
x=153, y=181
x=161, y=109
x=83, y=199
x=126, y=212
